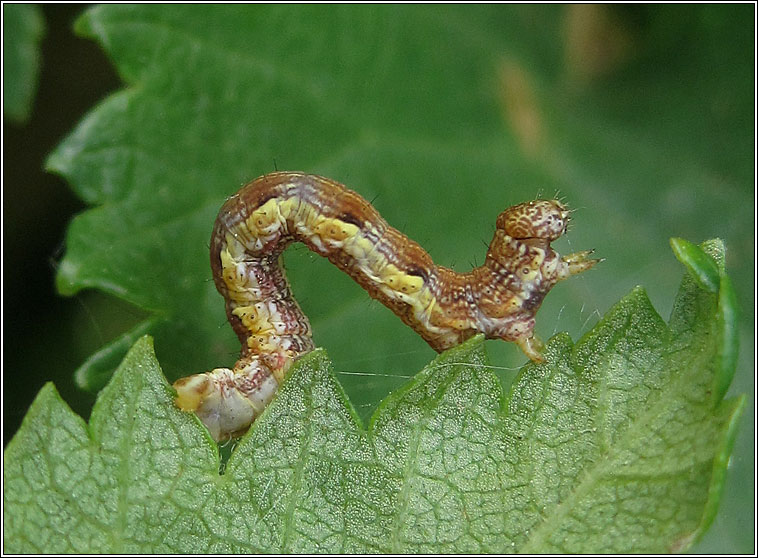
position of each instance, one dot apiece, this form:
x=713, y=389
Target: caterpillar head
x=541, y=219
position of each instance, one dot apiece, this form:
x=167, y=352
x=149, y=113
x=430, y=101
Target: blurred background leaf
x=638, y=116
x=22, y=32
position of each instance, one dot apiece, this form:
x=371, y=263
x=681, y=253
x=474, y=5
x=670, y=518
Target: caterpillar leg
x=532, y=347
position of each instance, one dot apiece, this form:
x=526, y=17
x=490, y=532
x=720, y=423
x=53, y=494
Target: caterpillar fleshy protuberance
x=255, y=225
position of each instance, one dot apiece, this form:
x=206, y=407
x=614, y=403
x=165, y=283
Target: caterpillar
x=255, y=225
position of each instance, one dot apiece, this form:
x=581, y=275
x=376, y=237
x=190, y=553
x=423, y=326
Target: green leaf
x=610, y=446
x=95, y=372
x=706, y=267
x=23, y=29
x=701, y=266
x=72, y=487
x=444, y=116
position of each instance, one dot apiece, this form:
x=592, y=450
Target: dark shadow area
x=37, y=207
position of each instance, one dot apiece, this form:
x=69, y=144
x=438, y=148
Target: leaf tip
x=48, y=390
x=48, y=397
x=318, y=357
x=558, y=345
x=144, y=343
x=66, y=281
x=472, y=344
x=705, y=264
x=96, y=371
x=701, y=266
x=83, y=24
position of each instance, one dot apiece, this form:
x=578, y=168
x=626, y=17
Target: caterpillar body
x=254, y=226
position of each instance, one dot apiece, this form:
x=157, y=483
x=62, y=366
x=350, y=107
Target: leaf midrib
x=124, y=470
x=412, y=461
x=297, y=481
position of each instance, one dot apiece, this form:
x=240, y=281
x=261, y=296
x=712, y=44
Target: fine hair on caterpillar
x=499, y=298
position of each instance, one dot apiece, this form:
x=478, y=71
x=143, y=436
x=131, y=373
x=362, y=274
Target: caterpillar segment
x=255, y=225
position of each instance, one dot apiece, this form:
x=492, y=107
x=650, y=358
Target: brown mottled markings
x=254, y=226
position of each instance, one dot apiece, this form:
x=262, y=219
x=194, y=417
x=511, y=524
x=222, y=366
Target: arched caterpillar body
x=255, y=225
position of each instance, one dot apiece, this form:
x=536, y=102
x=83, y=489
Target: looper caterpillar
x=255, y=225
